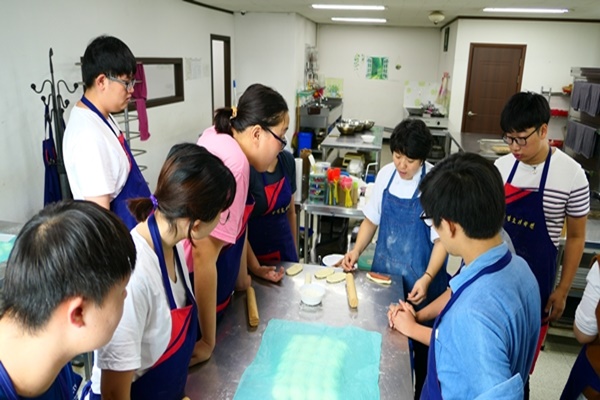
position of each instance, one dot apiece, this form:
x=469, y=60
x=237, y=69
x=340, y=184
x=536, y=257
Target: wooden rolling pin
x=351, y=291
x=253, y=318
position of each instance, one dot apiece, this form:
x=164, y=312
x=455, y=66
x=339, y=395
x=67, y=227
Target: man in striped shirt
x=543, y=185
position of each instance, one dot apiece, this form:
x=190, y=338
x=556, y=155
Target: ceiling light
x=436, y=17
x=347, y=7
x=367, y=20
x=528, y=10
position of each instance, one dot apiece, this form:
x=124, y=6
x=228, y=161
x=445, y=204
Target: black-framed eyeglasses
x=224, y=218
x=282, y=141
x=128, y=84
x=520, y=141
x=427, y=220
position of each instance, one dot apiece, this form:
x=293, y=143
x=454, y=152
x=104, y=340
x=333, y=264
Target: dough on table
x=336, y=277
x=294, y=269
x=324, y=272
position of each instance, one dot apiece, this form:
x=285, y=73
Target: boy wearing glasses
x=483, y=341
x=542, y=186
x=99, y=163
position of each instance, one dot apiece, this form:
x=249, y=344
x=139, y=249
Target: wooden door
x=494, y=74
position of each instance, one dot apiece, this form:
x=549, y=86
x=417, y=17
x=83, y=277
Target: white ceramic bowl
x=312, y=294
x=332, y=259
x=368, y=138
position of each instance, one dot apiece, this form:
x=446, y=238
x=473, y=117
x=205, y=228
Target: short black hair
x=524, y=110
x=412, y=138
x=70, y=248
x=109, y=56
x=467, y=189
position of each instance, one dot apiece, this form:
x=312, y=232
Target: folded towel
x=581, y=138
x=593, y=108
x=576, y=94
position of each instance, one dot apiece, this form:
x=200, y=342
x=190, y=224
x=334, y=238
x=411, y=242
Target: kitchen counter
x=337, y=141
x=238, y=343
x=469, y=142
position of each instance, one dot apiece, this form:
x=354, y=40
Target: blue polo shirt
x=490, y=334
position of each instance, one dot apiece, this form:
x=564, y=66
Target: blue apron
x=228, y=262
x=582, y=375
x=270, y=235
x=135, y=186
x=431, y=389
x=404, y=243
x=52, y=191
x=64, y=387
x=168, y=376
x=526, y=225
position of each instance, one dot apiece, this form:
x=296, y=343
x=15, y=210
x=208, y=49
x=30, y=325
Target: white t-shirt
x=144, y=331
x=566, y=193
x=585, y=316
x=95, y=161
x=399, y=187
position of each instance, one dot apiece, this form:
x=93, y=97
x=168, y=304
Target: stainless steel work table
x=314, y=210
x=336, y=141
x=238, y=343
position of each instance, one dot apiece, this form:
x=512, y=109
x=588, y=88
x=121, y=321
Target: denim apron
x=403, y=249
x=582, y=375
x=404, y=245
x=228, y=262
x=432, y=389
x=526, y=225
x=270, y=235
x=135, y=186
x=64, y=387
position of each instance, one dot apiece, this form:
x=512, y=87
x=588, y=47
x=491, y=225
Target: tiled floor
x=553, y=367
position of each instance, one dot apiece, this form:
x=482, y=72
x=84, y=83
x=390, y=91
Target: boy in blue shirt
x=63, y=295
x=484, y=338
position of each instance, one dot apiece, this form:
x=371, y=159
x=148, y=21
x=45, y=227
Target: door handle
x=471, y=114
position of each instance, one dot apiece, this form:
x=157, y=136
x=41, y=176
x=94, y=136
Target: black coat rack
x=57, y=118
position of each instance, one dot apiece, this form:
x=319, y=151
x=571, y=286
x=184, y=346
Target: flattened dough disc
x=294, y=269
x=324, y=272
x=337, y=277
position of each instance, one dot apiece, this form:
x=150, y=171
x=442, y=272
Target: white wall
x=552, y=49
x=269, y=49
x=415, y=49
x=151, y=28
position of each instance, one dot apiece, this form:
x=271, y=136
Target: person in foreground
x=272, y=224
x=98, y=160
x=405, y=246
x=483, y=341
x=584, y=379
x=545, y=189
x=155, y=342
x=251, y=134
x=63, y=295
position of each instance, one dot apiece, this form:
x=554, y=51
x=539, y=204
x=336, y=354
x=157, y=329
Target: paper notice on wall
x=193, y=68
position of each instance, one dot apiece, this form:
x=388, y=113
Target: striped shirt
x=566, y=193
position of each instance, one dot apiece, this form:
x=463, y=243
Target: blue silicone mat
x=298, y=360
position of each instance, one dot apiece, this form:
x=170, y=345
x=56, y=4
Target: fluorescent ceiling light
x=528, y=10
x=347, y=7
x=367, y=20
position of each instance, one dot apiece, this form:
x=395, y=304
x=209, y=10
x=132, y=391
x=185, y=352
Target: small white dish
x=368, y=138
x=332, y=259
x=312, y=294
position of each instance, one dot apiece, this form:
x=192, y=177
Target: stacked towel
x=586, y=97
x=581, y=138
